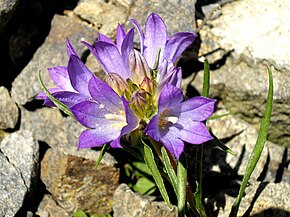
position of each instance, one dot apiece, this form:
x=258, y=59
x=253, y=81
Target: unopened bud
x=147, y=85
x=138, y=66
x=117, y=83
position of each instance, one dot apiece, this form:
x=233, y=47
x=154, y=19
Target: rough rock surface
x=22, y=151
x=48, y=207
x=47, y=125
x=52, y=53
x=12, y=188
x=75, y=184
x=7, y=8
x=128, y=203
x=261, y=199
x=8, y=110
x=255, y=36
x=168, y=10
x=102, y=15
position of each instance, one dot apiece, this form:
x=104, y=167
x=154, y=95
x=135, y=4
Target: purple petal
x=170, y=97
x=79, y=75
x=94, y=115
x=102, y=93
x=177, y=44
x=193, y=132
x=121, y=34
x=155, y=38
x=132, y=124
x=168, y=74
x=69, y=98
x=96, y=137
x=60, y=77
x=104, y=38
x=152, y=128
x=197, y=108
x=141, y=34
x=70, y=49
x=127, y=47
x=131, y=119
x=110, y=58
x=173, y=144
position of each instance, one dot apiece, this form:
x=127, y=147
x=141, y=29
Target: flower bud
x=147, y=85
x=138, y=103
x=138, y=66
x=117, y=83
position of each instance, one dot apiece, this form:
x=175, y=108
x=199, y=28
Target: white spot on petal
x=171, y=119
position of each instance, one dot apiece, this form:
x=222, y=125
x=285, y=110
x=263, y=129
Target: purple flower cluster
x=141, y=90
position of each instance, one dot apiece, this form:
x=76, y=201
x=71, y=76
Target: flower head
x=140, y=88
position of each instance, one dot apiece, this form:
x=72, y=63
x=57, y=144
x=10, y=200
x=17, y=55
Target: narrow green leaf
x=58, y=103
x=169, y=169
x=206, y=79
x=199, y=152
x=149, y=160
x=256, y=153
x=102, y=153
x=214, y=117
x=217, y=142
x=181, y=185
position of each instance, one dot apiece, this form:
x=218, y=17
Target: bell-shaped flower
x=179, y=121
x=155, y=38
x=114, y=57
x=107, y=116
x=71, y=81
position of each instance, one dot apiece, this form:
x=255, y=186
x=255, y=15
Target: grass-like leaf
x=257, y=151
x=206, y=80
x=169, y=169
x=58, y=103
x=214, y=117
x=150, y=161
x=217, y=142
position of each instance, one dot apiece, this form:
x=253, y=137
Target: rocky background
x=43, y=174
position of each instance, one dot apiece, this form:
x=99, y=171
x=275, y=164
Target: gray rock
x=7, y=8
x=49, y=208
x=74, y=183
x=46, y=124
x=102, y=15
x=125, y=3
x=52, y=53
x=8, y=110
x=261, y=199
x=22, y=151
x=128, y=203
x=257, y=37
x=172, y=12
x=12, y=188
x=49, y=126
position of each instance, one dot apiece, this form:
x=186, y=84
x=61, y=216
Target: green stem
x=198, y=193
x=181, y=185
